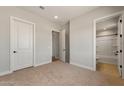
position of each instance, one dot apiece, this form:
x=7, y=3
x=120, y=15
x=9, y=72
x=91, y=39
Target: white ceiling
x=64, y=13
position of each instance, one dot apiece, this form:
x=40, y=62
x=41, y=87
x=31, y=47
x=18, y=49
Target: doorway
x=22, y=54
x=109, y=44
x=59, y=46
x=55, y=46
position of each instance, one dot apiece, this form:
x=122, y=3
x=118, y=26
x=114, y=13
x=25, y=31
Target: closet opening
x=109, y=46
x=55, y=46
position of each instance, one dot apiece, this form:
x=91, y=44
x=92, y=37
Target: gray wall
x=81, y=36
x=43, y=36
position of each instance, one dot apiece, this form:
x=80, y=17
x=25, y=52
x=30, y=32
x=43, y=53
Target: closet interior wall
x=106, y=41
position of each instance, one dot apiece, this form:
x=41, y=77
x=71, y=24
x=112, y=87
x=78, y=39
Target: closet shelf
x=106, y=35
x=114, y=45
x=102, y=56
x=113, y=38
x=105, y=46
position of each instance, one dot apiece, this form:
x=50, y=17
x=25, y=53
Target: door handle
x=14, y=51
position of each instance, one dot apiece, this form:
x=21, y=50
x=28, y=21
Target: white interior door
x=119, y=45
x=62, y=45
x=22, y=44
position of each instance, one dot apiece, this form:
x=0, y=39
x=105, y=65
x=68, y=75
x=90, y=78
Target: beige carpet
x=58, y=73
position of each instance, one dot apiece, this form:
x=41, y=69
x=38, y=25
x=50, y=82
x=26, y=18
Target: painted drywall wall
x=43, y=36
x=81, y=36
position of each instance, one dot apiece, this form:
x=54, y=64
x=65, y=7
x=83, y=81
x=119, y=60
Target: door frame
x=94, y=34
x=12, y=18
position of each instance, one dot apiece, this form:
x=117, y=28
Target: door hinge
x=120, y=51
x=120, y=20
x=120, y=66
x=120, y=35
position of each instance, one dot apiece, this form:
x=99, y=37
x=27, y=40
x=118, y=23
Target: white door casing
x=119, y=45
x=21, y=44
x=122, y=32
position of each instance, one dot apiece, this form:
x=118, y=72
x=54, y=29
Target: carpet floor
x=58, y=73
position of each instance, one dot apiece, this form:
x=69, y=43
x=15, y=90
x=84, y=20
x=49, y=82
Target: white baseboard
x=39, y=64
x=5, y=73
x=9, y=72
x=82, y=66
